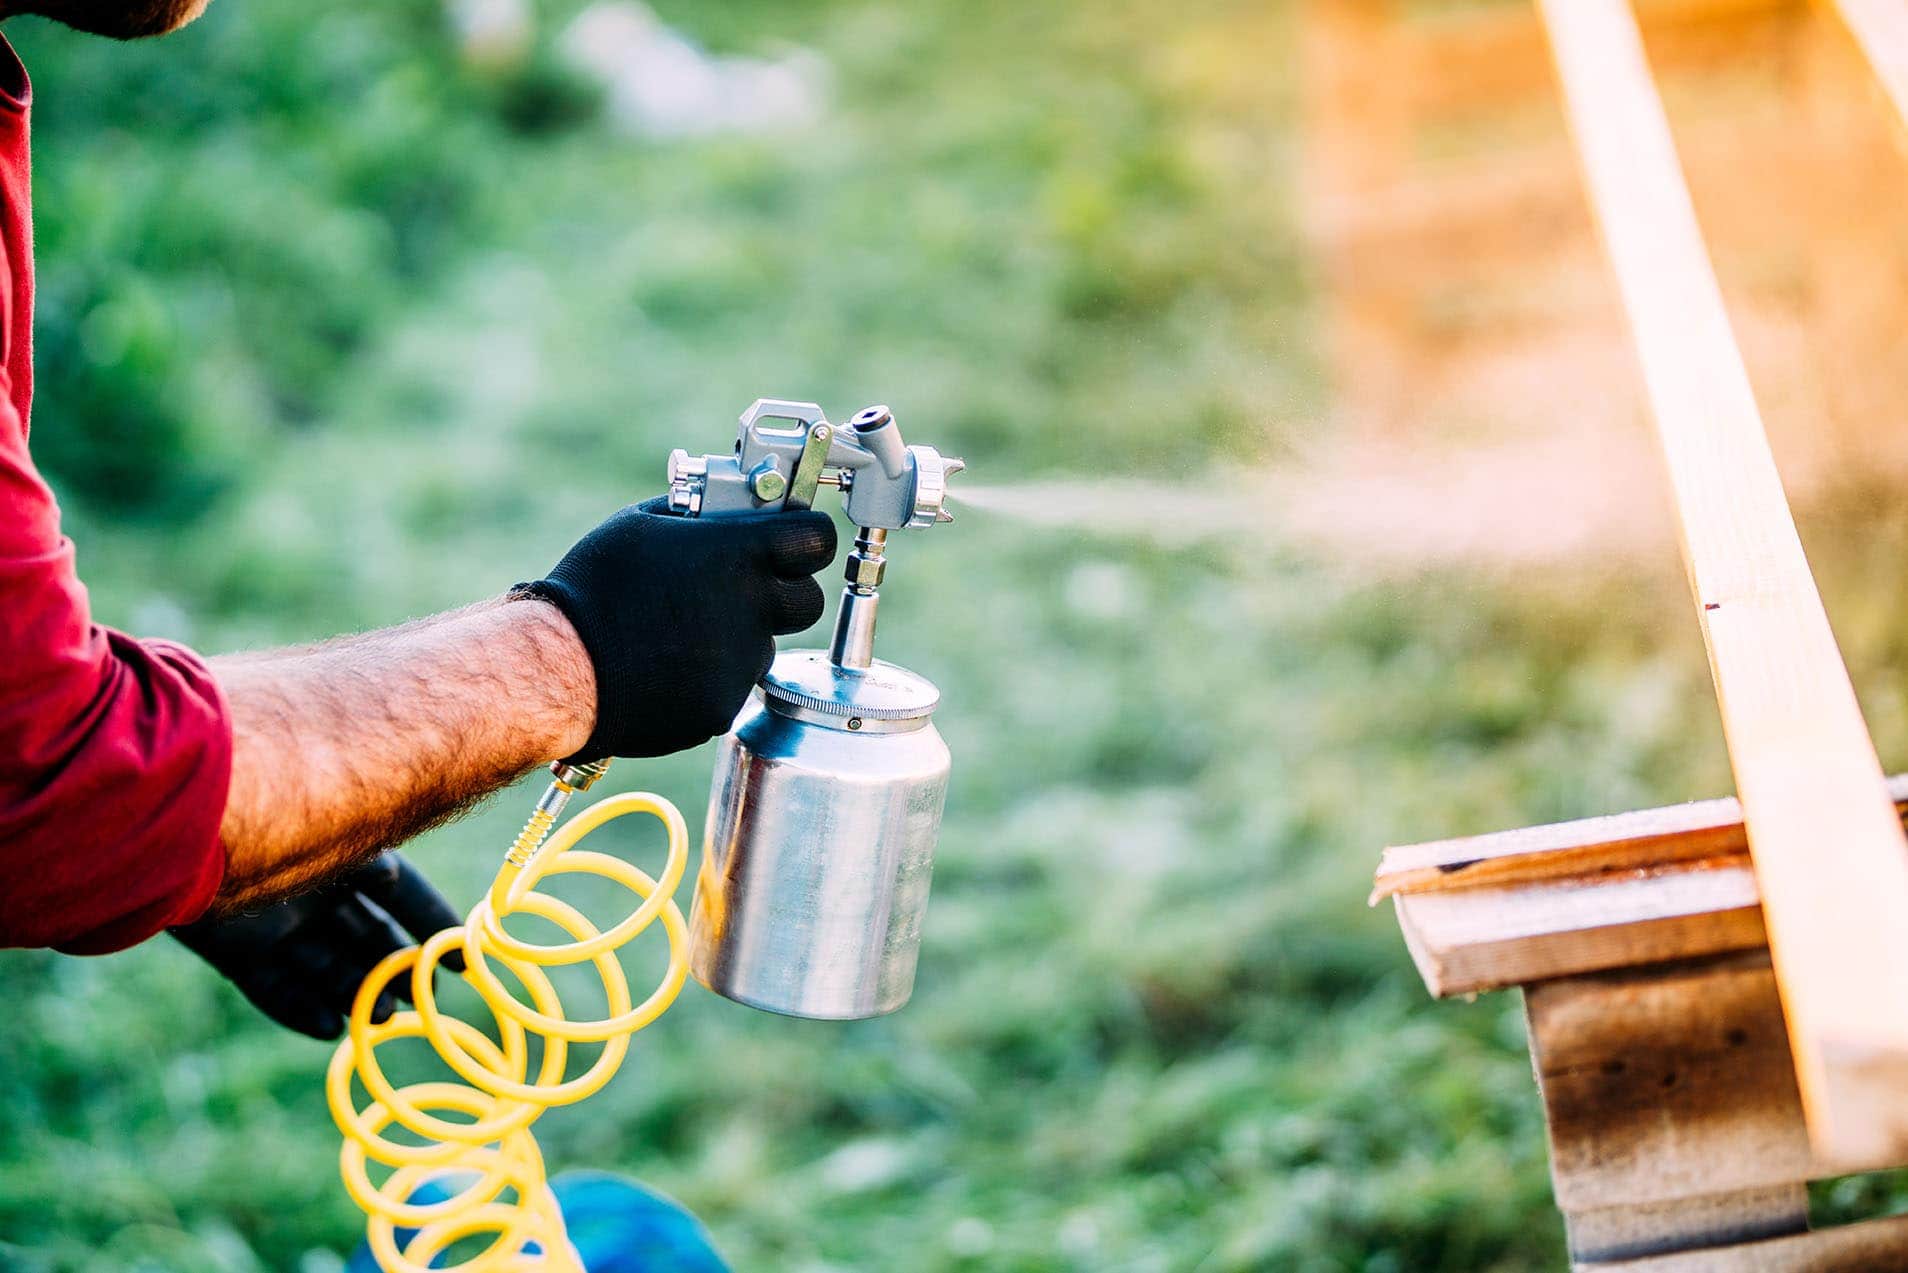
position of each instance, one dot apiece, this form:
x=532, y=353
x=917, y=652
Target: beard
x=119, y=19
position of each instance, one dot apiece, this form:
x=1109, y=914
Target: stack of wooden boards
x=1656, y=1030
x=1717, y=993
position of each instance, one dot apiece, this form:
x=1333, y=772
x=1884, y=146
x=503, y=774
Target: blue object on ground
x=616, y=1225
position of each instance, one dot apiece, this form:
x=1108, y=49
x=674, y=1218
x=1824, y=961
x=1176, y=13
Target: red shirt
x=115, y=754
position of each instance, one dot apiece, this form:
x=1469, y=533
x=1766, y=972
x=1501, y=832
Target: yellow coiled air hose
x=485, y=1152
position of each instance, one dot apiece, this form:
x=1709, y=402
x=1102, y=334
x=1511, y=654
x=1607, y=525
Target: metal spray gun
x=826, y=801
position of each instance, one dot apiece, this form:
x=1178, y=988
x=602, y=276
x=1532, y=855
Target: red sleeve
x=115, y=754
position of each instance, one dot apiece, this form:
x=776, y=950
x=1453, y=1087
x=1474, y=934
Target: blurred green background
x=338, y=326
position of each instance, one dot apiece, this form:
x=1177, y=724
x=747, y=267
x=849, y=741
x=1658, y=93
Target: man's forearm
x=344, y=748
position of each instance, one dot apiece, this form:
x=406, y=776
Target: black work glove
x=300, y=961
x=680, y=614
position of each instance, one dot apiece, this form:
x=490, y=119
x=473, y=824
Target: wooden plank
x=1478, y=939
x=1653, y=1228
x=1874, y=1246
x=1482, y=60
x=1667, y=1083
x=1829, y=851
x=1514, y=215
x=1586, y=847
x=1507, y=909
x=1580, y=850
x=1880, y=28
x=1671, y=1106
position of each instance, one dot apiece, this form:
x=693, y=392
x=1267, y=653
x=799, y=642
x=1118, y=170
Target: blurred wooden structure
x=1717, y=993
x=1460, y=266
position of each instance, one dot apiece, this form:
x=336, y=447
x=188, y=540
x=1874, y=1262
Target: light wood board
x=1880, y=27
x=1581, y=849
x=1830, y=856
x=1515, y=907
x=1471, y=940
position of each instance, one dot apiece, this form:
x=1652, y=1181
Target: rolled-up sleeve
x=115, y=753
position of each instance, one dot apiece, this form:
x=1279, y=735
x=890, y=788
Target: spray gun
x=828, y=789
x=822, y=820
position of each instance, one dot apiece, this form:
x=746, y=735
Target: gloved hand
x=300, y=961
x=680, y=614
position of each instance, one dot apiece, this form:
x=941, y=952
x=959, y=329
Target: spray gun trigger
x=810, y=466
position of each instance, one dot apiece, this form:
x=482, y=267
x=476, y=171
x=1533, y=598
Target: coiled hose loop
x=484, y=1152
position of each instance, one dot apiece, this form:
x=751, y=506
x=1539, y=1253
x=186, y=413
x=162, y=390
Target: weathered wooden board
x=1492, y=911
x=1580, y=850
x=1877, y=1246
x=1478, y=939
x=1671, y=1102
x=1667, y=1084
x=1829, y=852
x=1674, y=1119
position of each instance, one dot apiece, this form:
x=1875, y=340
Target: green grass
x=336, y=331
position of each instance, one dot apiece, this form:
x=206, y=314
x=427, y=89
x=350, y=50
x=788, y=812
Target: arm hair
x=344, y=748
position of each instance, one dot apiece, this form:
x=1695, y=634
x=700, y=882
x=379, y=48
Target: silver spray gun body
x=826, y=802
x=785, y=451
